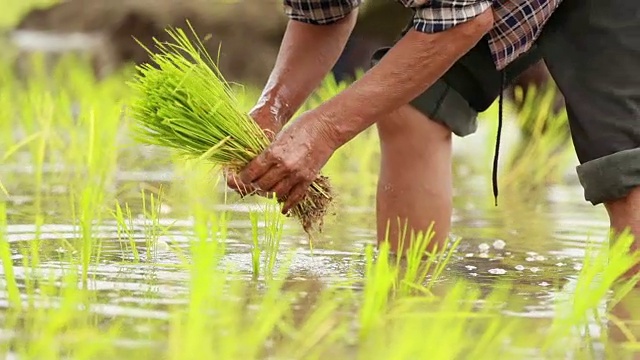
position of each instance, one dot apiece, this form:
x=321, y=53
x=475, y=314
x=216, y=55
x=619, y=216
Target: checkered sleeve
x=319, y=12
x=438, y=15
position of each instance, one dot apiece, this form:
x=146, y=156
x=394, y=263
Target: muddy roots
x=314, y=207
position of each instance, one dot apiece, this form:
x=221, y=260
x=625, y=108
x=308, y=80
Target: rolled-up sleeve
x=433, y=16
x=319, y=12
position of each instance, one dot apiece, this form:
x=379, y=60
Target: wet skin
x=415, y=180
x=298, y=152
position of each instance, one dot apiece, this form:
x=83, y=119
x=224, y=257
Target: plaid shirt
x=518, y=22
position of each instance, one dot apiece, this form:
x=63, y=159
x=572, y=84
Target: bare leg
x=625, y=214
x=415, y=182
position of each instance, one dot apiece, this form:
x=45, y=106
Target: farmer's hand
x=292, y=162
x=263, y=116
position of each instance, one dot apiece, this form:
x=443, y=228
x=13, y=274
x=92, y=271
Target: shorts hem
x=610, y=177
x=442, y=104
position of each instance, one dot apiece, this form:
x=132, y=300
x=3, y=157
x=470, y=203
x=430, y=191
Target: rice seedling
x=255, y=249
x=622, y=318
x=449, y=328
x=105, y=290
x=124, y=219
x=184, y=103
x=267, y=241
x=603, y=269
x=13, y=292
x=545, y=149
x=272, y=236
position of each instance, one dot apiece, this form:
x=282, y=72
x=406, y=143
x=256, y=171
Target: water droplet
x=499, y=244
x=470, y=267
x=19, y=201
x=577, y=267
x=539, y=258
x=519, y=267
x=468, y=255
x=497, y=271
x=529, y=259
x=59, y=189
x=473, y=274
x=484, y=247
x=544, y=283
x=483, y=255
x=560, y=264
x=162, y=245
x=165, y=209
x=534, y=269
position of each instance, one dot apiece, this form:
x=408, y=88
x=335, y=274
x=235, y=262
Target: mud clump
x=312, y=211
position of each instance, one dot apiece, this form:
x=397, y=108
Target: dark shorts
x=592, y=50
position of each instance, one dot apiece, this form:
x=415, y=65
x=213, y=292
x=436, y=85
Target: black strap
x=498, y=136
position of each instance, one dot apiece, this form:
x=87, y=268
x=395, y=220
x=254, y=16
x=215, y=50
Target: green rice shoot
x=182, y=101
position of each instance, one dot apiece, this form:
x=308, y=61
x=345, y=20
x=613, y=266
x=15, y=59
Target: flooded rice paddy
x=114, y=250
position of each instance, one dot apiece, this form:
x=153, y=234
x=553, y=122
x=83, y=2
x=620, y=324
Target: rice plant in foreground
x=184, y=103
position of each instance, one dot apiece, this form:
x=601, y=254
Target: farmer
x=451, y=63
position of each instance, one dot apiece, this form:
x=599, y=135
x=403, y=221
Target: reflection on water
x=30, y=40
x=539, y=245
x=624, y=326
x=536, y=239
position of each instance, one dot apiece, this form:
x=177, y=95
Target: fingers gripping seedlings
x=182, y=102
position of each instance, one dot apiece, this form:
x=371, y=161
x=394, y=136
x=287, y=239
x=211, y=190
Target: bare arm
x=408, y=69
x=292, y=162
x=306, y=55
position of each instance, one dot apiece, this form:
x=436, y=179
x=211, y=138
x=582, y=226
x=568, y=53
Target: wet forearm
x=307, y=54
x=407, y=70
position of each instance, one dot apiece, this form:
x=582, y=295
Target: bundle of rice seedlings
x=181, y=101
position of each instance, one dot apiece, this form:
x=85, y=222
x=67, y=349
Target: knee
x=408, y=124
